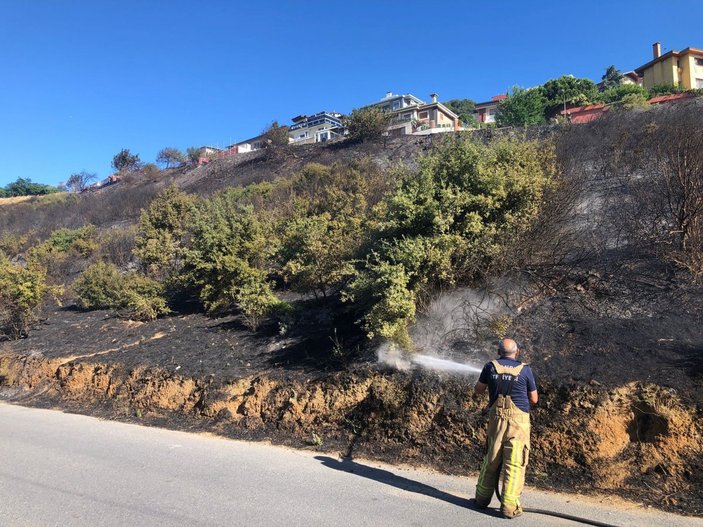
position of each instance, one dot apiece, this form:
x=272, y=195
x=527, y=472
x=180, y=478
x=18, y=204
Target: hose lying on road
x=553, y=513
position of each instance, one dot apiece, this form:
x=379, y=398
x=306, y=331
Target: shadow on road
x=384, y=476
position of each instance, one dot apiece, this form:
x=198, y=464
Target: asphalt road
x=60, y=469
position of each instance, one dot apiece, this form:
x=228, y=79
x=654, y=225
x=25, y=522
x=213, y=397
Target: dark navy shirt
x=524, y=384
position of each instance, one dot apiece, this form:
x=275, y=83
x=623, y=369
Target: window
x=699, y=62
x=423, y=115
x=699, y=84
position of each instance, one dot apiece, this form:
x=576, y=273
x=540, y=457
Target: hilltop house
x=318, y=128
x=676, y=68
x=413, y=116
x=485, y=112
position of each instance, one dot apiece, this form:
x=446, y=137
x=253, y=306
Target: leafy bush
x=450, y=223
x=13, y=244
x=62, y=253
x=102, y=286
x=161, y=226
x=226, y=261
x=382, y=292
x=21, y=293
x=617, y=93
x=632, y=101
x=316, y=251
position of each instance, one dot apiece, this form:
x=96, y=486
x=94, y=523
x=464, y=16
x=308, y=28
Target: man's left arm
x=532, y=394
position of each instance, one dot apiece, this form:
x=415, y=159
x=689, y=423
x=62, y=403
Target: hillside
x=603, y=299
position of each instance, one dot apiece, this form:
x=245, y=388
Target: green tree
x=125, y=161
x=25, y=187
x=567, y=90
x=464, y=108
x=367, y=124
x=170, y=157
x=521, y=108
x=612, y=78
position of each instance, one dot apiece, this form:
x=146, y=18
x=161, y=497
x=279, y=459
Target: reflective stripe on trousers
x=508, y=442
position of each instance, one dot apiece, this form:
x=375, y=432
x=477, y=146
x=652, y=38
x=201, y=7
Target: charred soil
x=620, y=410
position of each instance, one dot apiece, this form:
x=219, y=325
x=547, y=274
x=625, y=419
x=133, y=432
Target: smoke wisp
x=450, y=335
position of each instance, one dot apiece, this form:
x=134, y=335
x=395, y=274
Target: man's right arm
x=534, y=397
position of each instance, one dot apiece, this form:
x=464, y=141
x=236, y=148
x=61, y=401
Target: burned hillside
x=595, y=270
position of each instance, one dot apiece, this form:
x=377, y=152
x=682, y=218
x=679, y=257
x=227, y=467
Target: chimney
x=656, y=50
x=434, y=97
x=389, y=94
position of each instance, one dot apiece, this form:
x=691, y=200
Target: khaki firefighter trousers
x=508, y=442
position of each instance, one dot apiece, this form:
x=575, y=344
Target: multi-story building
x=675, y=68
x=413, y=116
x=318, y=128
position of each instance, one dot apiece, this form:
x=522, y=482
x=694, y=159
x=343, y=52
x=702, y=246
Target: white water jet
x=437, y=364
x=394, y=357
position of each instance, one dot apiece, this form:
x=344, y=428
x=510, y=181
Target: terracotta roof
x=671, y=97
x=581, y=109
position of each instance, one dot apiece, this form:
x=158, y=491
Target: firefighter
x=511, y=390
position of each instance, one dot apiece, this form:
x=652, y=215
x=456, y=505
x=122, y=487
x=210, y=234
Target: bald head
x=507, y=348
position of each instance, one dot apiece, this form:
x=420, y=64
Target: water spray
x=394, y=357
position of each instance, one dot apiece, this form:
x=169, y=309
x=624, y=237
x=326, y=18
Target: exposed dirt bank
x=638, y=439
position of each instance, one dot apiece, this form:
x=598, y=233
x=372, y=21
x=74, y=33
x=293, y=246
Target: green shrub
x=62, y=253
x=450, y=223
x=316, y=251
x=144, y=297
x=382, y=292
x=632, y=101
x=617, y=93
x=13, y=244
x=102, y=286
x=21, y=293
x=228, y=257
x=162, y=224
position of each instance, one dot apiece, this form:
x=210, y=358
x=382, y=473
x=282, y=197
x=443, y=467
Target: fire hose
x=554, y=513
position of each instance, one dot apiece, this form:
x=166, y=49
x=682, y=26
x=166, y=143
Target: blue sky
x=82, y=79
